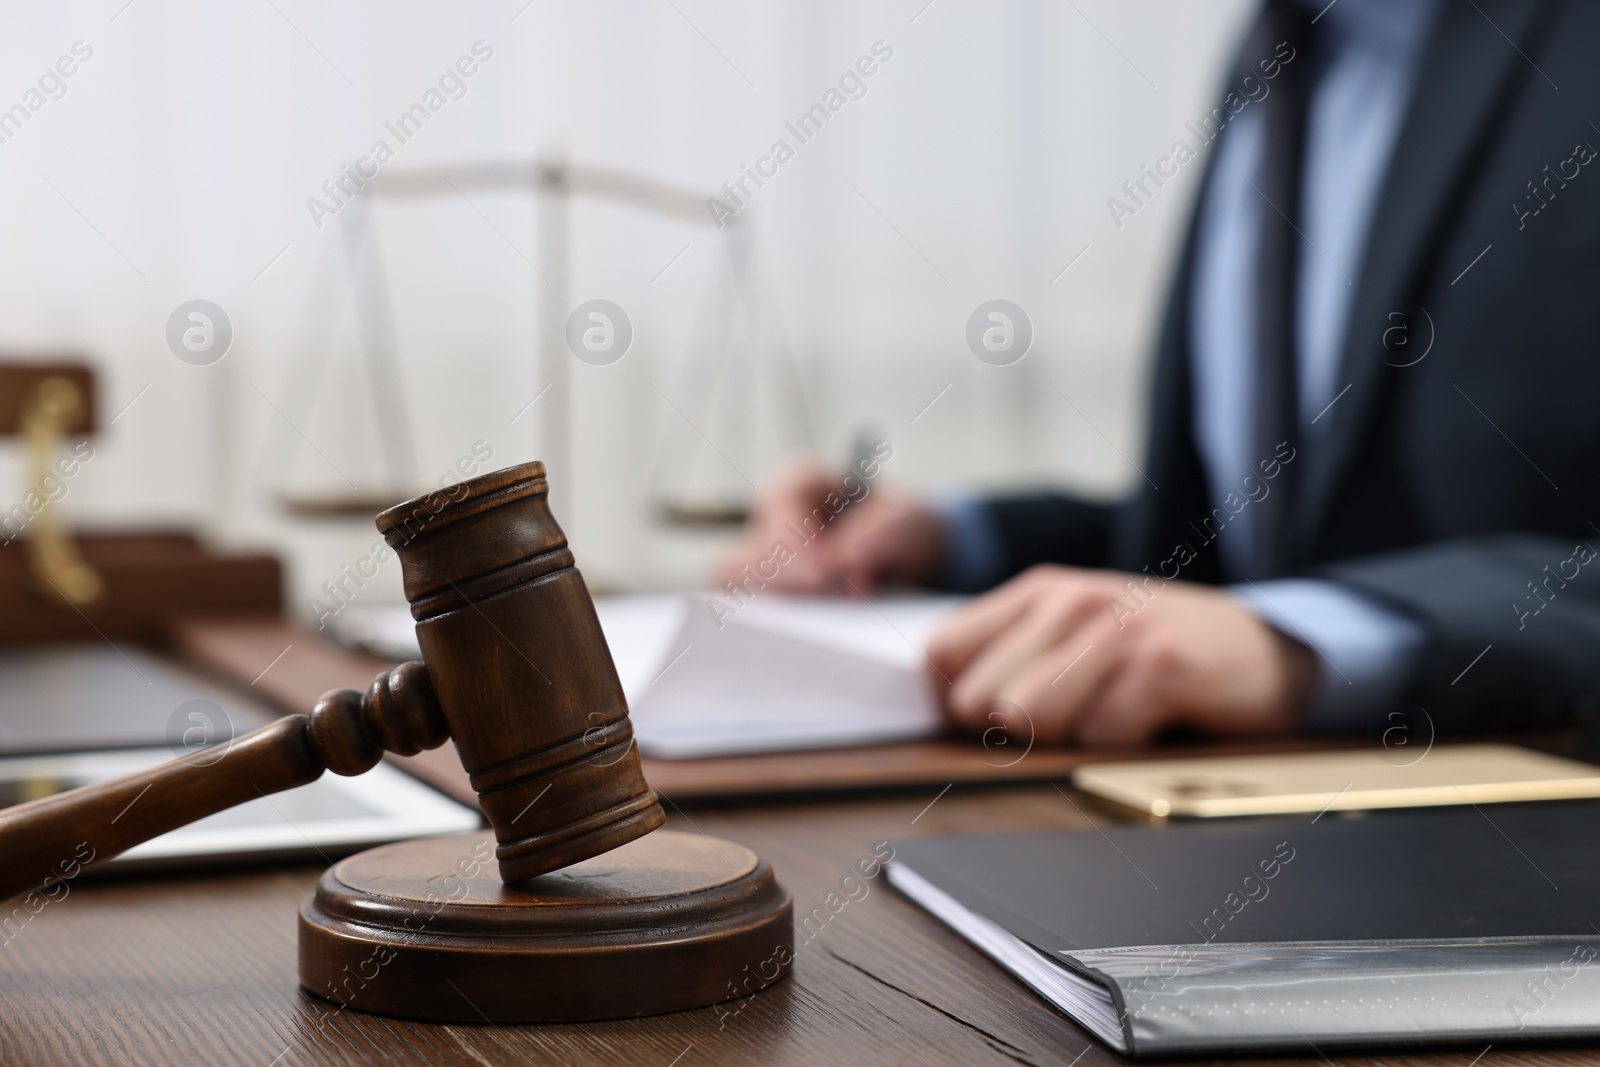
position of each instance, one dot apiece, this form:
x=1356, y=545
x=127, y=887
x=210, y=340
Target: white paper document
x=786, y=673
x=777, y=674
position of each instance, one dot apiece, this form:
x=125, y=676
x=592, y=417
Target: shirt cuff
x=1367, y=653
x=973, y=556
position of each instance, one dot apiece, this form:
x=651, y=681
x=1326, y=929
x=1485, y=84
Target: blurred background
x=378, y=340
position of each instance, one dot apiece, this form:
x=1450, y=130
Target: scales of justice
x=597, y=912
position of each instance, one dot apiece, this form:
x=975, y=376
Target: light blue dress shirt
x=1369, y=51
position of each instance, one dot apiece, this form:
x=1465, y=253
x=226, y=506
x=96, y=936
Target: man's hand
x=1104, y=659
x=833, y=542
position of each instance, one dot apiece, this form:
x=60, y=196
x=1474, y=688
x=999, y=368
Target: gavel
x=515, y=671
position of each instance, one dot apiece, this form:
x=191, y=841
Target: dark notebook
x=1445, y=925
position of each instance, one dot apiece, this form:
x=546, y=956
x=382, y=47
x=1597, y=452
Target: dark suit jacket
x=1449, y=486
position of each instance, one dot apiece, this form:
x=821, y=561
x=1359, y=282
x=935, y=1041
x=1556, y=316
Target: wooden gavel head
x=517, y=673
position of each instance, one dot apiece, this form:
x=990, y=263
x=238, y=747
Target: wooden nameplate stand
x=596, y=914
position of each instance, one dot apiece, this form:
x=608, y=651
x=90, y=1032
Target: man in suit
x=1371, y=475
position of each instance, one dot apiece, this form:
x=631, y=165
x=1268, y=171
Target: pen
x=862, y=454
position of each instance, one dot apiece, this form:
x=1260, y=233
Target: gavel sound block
x=596, y=913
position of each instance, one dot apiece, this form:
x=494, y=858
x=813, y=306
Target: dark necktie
x=1284, y=29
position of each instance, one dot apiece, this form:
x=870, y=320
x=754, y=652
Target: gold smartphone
x=1353, y=780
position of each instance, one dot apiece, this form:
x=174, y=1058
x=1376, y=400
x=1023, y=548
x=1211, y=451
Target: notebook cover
x=1436, y=925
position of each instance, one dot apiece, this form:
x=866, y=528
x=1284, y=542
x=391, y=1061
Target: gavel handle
x=47, y=841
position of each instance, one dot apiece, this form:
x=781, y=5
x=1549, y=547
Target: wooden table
x=200, y=969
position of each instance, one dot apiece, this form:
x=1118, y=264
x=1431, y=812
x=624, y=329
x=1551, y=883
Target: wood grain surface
x=200, y=969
